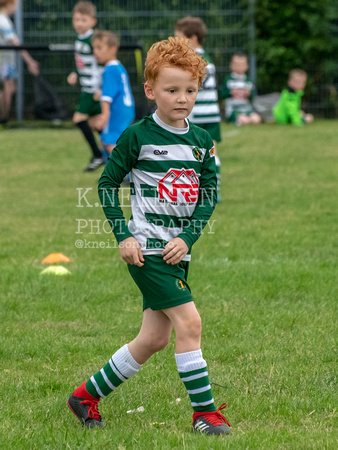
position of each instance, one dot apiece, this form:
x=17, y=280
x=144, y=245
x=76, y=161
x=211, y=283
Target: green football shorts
x=87, y=105
x=162, y=285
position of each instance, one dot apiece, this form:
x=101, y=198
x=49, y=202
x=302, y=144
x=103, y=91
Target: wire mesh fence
x=135, y=22
x=230, y=29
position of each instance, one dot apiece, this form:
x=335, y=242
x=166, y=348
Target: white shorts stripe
x=117, y=373
x=98, y=390
x=203, y=403
x=195, y=377
x=106, y=379
x=199, y=390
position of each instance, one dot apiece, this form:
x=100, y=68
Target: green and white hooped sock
x=119, y=368
x=192, y=370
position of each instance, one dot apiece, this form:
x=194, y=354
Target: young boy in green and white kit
x=88, y=74
x=173, y=187
x=238, y=92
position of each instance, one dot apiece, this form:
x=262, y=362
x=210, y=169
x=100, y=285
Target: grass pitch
x=265, y=283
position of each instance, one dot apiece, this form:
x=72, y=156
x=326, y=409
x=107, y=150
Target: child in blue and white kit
x=117, y=102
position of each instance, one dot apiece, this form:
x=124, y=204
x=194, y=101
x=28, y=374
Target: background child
x=288, y=107
x=88, y=74
x=174, y=178
x=8, y=72
x=117, y=102
x=238, y=92
x=206, y=112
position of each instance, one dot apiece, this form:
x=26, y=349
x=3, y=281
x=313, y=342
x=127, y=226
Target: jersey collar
x=236, y=76
x=113, y=62
x=169, y=128
x=86, y=34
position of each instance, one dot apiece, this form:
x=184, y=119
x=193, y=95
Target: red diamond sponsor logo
x=179, y=185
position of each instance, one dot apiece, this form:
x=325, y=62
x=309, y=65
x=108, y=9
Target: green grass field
x=265, y=284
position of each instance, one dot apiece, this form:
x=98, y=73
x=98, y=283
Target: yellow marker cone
x=55, y=270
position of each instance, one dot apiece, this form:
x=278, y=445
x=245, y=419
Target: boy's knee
x=193, y=327
x=156, y=343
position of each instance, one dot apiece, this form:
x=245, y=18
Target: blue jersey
x=117, y=91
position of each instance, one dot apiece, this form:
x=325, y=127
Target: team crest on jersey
x=197, y=153
x=179, y=186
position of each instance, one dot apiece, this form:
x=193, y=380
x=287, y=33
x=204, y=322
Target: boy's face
x=102, y=52
x=239, y=65
x=83, y=23
x=174, y=92
x=11, y=7
x=297, y=82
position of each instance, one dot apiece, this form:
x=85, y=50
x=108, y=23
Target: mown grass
x=265, y=284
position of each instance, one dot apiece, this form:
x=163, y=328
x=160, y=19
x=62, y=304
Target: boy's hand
x=130, y=251
x=97, y=95
x=175, y=251
x=72, y=78
x=308, y=118
x=101, y=121
x=33, y=67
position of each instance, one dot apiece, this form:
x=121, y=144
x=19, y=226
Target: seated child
x=288, y=108
x=238, y=92
x=117, y=102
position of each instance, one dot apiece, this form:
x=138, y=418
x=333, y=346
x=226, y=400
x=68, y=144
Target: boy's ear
x=194, y=40
x=148, y=90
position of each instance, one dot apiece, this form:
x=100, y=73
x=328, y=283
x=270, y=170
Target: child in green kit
x=88, y=73
x=206, y=112
x=173, y=187
x=238, y=92
x=288, y=107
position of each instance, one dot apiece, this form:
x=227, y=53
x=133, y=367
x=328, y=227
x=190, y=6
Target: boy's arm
x=103, y=118
x=110, y=86
x=225, y=93
x=32, y=64
x=119, y=164
x=206, y=202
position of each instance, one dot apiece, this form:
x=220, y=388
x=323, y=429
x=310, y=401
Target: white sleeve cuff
x=105, y=98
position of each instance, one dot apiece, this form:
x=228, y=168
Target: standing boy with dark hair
x=206, y=112
x=288, y=108
x=117, y=102
x=173, y=180
x=238, y=92
x=88, y=73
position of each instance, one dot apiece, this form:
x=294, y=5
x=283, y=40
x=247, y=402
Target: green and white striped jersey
x=88, y=70
x=206, y=109
x=173, y=183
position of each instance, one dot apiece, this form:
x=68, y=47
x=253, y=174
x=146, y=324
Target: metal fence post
x=252, y=37
x=20, y=81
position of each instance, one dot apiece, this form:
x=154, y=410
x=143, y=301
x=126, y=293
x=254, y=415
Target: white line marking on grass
x=230, y=133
